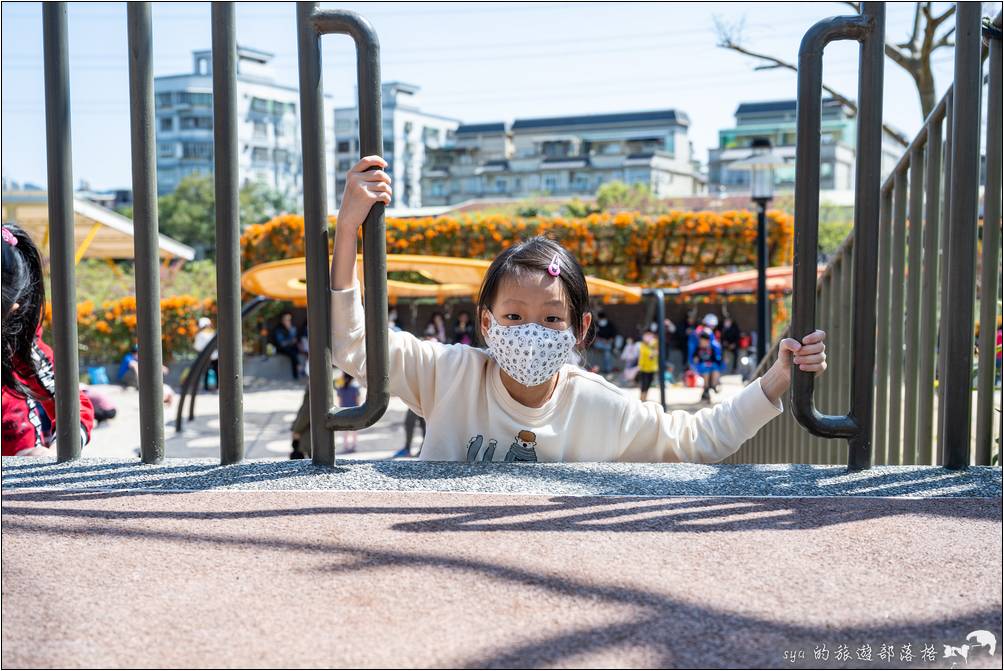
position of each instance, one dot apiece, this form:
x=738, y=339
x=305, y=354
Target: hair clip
x=554, y=269
x=8, y=237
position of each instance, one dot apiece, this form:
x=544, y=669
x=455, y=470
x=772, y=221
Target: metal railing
x=921, y=221
x=927, y=223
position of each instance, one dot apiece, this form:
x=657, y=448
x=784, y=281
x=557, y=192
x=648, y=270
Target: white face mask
x=530, y=353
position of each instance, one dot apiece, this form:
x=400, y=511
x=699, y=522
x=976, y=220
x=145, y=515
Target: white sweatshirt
x=471, y=417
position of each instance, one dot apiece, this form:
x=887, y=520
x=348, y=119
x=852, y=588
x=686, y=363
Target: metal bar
x=989, y=280
x=846, y=317
x=312, y=23
x=830, y=382
x=228, y=267
x=912, y=325
x=145, y=239
x=315, y=234
x=958, y=339
x=896, y=318
x=869, y=29
x=762, y=306
x=61, y=243
x=929, y=293
x=660, y=315
x=944, y=247
x=882, y=335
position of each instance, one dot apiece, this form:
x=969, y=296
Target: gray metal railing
x=312, y=23
x=927, y=223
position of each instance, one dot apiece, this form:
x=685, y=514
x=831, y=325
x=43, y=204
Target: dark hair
x=704, y=335
x=22, y=284
x=532, y=256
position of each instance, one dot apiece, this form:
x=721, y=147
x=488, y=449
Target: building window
x=551, y=183
x=430, y=135
x=195, y=99
x=344, y=147
x=259, y=105
x=344, y=164
x=165, y=149
x=197, y=151
x=500, y=185
x=388, y=146
x=556, y=148
x=581, y=183
x=281, y=155
x=167, y=124
x=259, y=155
x=164, y=99
x=260, y=130
x=197, y=122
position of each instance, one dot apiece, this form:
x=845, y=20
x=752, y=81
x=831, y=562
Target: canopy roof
x=778, y=279
x=99, y=233
x=453, y=278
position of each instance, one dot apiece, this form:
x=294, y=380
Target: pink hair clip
x=9, y=238
x=554, y=269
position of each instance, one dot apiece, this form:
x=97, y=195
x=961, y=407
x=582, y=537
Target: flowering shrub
x=664, y=250
x=107, y=332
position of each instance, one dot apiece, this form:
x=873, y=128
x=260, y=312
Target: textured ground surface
x=221, y=575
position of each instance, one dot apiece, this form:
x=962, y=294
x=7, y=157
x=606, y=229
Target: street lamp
x=761, y=164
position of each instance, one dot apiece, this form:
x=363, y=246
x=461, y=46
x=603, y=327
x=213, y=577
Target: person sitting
x=286, y=344
x=707, y=361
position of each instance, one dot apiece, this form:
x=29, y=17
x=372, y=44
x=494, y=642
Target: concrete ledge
x=547, y=479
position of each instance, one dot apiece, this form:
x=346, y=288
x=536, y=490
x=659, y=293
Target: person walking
x=286, y=343
x=203, y=337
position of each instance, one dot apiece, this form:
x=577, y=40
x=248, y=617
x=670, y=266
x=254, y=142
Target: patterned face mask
x=529, y=353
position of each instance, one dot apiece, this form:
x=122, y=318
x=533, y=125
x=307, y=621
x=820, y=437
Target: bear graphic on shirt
x=523, y=448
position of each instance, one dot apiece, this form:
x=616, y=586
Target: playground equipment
x=867, y=361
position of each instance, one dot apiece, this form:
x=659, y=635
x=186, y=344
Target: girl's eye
x=513, y=317
x=553, y=319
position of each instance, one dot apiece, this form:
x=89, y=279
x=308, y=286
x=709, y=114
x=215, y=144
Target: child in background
x=29, y=383
x=348, y=397
x=648, y=362
x=707, y=361
x=523, y=400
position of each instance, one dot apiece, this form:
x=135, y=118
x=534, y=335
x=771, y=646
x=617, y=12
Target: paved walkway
x=269, y=410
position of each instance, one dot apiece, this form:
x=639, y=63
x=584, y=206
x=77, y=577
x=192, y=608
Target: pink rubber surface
x=357, y=579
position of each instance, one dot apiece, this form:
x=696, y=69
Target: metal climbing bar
x=963, y=222
x=312, y=23
x=868, y=28
x=61, y=243
x=228, y=253
x=145, y=241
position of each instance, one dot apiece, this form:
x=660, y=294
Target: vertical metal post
x=913, y=303
x=660, y=315
x=228, y=286
x=315, y=232
x=989, y=280
x=846, y=317
x=945, y=248
x=929, y=294
x=882, y=335
x=958, y=339
x=869, y=29
x=762, y=306
x=61, y=228
x=896, y=318
x=145, y=240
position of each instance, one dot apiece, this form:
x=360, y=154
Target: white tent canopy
x=99, y=233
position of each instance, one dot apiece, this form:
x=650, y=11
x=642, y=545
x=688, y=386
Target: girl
x=28, y=393
x=520, y=400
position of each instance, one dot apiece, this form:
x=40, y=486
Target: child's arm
x=712, y=434
x=412, y=362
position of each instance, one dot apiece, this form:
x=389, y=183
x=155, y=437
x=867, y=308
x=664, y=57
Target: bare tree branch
x=944, y=17
x=728, y=38
x=945, y=40
x=911, y=44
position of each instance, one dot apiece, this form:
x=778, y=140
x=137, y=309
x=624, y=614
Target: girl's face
x=533, y=298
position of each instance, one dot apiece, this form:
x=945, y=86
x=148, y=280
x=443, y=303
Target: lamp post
x=761, y=164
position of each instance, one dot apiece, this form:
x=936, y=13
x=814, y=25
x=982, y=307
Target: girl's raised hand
x=809, y=355
x=364, y=188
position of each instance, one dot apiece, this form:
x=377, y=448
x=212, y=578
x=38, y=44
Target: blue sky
x=473, y=61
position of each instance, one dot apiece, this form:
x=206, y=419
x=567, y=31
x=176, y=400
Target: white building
x=565, y=156
x=268, y=131
x=407, y=133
